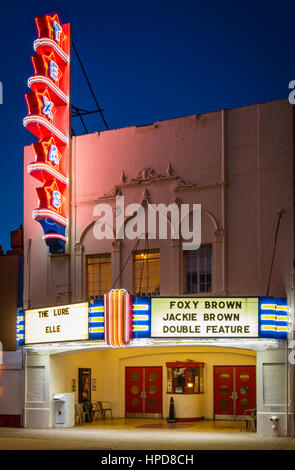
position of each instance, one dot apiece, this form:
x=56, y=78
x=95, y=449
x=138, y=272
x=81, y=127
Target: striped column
x=118, y=317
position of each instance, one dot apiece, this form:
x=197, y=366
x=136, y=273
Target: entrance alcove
x=108, y=367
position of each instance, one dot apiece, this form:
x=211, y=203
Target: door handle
x=143, y=395
x=234, y=396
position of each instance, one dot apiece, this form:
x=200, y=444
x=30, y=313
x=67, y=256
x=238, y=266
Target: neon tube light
x=283, y=308
x=268, y=317
x=97, y=309
x=42, y=120
x=44, y=167
x=54, y=236
x=140, y=328
x=48, y=82
x=96, y=319
x=43, y=213
x=98, y=329
x=51, y=43
x=140, y=307
x=268, y=306
x=140, y=317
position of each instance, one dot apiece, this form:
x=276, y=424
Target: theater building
x=149, y=320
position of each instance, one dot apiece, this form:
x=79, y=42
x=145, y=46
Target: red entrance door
x=234, y=390
x=143, y=394
x=223, y=391
x=245, y=389
x=134, y=390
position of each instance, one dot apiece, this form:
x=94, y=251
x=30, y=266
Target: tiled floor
x=128, y=434
x=125, y=423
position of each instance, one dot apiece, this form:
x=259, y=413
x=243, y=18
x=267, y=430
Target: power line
x=89, y=85
x=133, y=251
x=274, y=249
x=145, y=253
x=81, y=119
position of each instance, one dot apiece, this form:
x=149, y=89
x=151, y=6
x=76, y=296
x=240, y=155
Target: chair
x=95, y=410
x=81, y=412
x=78, y=414
x=105, y=406
x=249, y=418
x=86, y=412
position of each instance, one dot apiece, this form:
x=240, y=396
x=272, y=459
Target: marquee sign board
x=55, y=324
x=48, y=119
x=118, y=319
x=204, y=317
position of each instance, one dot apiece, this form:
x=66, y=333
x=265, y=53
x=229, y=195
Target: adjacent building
x=11, y=360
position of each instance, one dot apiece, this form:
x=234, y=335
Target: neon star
x=53, y=196
x=47, y=107
x=52, y=152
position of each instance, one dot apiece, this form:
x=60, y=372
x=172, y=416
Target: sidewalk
x=122, y=434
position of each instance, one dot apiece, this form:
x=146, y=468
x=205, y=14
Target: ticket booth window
x=185, y=377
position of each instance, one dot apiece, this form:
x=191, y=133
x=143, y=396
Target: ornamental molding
x=196, y=187
x=116, y=244
x=145, y=197
x=79, y=248
x=147, y=176
x=219, y=233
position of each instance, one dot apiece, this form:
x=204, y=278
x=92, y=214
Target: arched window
x=198, y=270
x=98, y=274
x=146, y=269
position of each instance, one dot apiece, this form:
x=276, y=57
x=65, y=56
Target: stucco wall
x=9, y=278
x=236, y=163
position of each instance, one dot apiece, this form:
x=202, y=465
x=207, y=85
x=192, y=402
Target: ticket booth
x=185, y=383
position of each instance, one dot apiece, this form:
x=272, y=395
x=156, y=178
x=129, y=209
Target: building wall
x=259, y=162
x=9, y=291
x=11, y=388
x=237, y=164
x=275, y=385
x=38, y=407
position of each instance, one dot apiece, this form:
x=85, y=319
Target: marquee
x=119, y=319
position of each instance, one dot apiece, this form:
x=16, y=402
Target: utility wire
x=133, y=251
x=274, y=250
x=83, y=123
x=142, y=266
x=89, y=85
x=146, y=249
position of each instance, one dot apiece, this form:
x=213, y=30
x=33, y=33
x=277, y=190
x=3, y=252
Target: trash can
x=64, y=410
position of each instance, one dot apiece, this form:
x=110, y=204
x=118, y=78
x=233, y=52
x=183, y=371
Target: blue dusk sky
x=147, y=61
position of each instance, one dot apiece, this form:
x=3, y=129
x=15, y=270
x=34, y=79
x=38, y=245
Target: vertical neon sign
x=48, y=119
